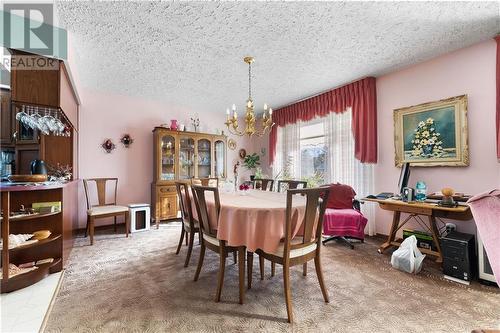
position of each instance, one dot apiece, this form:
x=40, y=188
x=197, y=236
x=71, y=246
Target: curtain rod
x=320, y=93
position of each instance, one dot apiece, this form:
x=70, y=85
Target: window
x=322, y=151
x=312, y=152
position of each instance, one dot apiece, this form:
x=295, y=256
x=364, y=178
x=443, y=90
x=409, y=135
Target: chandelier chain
x=250, y=81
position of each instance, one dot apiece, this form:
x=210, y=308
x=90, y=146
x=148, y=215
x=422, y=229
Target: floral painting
x=432, y=134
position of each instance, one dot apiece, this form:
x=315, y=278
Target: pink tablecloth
x=344, y=222
x=255, y=220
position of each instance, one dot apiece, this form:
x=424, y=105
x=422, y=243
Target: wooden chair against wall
x=210, y=240
x=189, y=225
x=103, y=209
x=291, y=184
x=264, y=184
x=301, y=249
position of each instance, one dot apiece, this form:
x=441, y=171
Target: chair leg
x=249, y=269
x=304, y=269
x=273, y=268
x=180, y=240
x=339, y=238
x=115, y=223
x=319, y=273
x=127, y=223
x=87, y=226
x=288, y=295
x=261, y=266
x=91, y=231
x=234, y=257
x=222, y=267
x=190, y=248
x=187, y=238
x=241, y=268
x=157, y=221
x=200, y=261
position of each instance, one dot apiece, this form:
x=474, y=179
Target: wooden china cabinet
x=181, y=156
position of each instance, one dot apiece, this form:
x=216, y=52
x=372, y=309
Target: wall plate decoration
x=242, y=153
x=108, y=146
x=126, y=140
x=231, y=144
x=432, y=134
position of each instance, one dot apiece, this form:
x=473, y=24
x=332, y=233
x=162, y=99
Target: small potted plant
x=251, y=162
x=258, y=173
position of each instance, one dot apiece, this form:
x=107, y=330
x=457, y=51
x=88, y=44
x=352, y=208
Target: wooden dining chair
x=291, y=184
x=264, y=184
x=210, y=240
x=301, y=249
x=210, y=181
x=189, y=225
x=103, y=209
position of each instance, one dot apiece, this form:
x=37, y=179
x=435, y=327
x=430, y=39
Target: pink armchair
x=343, y=219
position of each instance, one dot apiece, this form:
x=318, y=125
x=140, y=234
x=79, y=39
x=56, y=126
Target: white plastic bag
x=408, y=257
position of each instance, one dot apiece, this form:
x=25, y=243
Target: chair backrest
x=264, y=184
x=101, y=191
x=341, y=196
x=199, y=196
x=185, y=202
x=313, y=217
x=210, y=181
x=291, y=184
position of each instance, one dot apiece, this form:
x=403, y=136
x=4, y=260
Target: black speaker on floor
x=459, y=256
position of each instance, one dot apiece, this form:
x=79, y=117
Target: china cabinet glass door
x=167, y=158
x=204, y=158
x=186, y=158
x=220, y=159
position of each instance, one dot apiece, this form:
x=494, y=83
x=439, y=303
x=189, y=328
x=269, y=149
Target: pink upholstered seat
x=344, y=223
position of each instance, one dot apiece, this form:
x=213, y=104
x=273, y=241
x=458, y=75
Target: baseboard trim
x=52, y=301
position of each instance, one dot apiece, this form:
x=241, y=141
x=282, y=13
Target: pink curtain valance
x=497, y=38
x=361, y=96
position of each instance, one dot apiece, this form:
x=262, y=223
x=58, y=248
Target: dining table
x=255, y=219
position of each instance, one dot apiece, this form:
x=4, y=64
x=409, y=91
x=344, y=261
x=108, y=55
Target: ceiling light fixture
x=232, y=121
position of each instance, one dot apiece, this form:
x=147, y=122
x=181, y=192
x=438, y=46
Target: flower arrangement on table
x=244, y=187
x=427, y=142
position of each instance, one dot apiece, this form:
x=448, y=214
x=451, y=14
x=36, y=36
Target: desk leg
x=435, y=237
x=392, y=234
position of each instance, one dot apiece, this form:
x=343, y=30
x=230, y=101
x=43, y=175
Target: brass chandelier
x=232, y=121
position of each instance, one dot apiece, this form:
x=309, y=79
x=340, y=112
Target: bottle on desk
x=420, y=191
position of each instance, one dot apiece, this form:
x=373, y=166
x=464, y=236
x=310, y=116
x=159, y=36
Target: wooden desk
x=430, y=210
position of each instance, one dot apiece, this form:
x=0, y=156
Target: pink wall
x=468, y=71
x=110, y=116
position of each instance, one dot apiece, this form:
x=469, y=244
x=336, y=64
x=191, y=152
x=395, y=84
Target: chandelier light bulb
x=227, y=111
x=234, y=107
x=265, y=107
x=270, y=111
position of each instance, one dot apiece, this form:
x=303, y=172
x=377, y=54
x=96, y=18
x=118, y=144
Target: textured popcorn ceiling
x=189, y=54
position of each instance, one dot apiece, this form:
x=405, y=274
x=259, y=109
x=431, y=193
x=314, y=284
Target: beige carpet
x=139, y=285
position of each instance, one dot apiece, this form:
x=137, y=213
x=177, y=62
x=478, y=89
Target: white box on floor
x=140, y=217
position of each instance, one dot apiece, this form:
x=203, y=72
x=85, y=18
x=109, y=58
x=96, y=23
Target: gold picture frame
x=432, y=134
